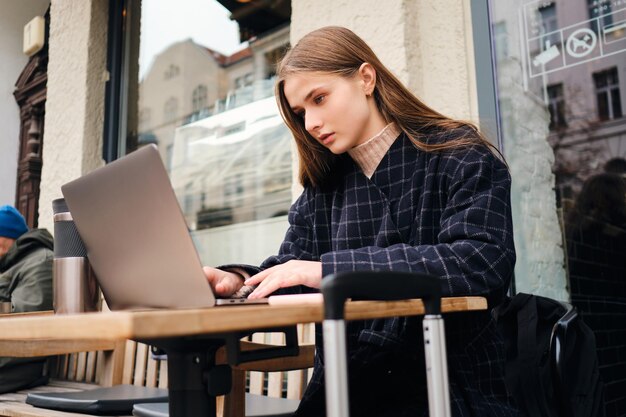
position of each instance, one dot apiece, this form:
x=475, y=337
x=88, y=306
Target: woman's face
x=336, y=111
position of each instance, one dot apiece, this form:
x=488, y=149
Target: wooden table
x=190, y=337
x=28, y=348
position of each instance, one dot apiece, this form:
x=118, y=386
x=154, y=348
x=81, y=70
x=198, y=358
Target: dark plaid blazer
x=444, y=213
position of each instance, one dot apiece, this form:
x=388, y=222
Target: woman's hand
x=289, y=274
x=224, y=283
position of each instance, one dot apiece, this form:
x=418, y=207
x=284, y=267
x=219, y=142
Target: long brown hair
x=339, y=51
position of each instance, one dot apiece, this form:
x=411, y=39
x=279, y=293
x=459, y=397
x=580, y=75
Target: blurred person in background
x=616, y=166
x=25, y=285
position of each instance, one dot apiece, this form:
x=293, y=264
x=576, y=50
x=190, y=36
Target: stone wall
x=75, y=105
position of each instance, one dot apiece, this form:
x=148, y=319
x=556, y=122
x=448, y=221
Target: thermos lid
x=67, y=241
x=59, y=206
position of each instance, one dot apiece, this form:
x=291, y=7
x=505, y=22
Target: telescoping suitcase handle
x=369, y=285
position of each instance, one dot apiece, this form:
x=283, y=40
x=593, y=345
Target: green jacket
x=26, y=281
x=26, y=272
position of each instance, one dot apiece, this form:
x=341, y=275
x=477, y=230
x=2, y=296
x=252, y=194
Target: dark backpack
x=551, y=362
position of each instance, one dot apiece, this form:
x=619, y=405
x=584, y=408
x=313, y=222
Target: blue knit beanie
x=12, y=223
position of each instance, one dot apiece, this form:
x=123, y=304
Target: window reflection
x=556, y=106
x=608, y=94
x=600, y=13
x=549, y=25
x=205, y=98
x=170, y=111
x=564, y=136
x=199, y=100
x=239, y=156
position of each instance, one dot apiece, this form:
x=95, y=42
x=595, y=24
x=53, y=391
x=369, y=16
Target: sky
x=164, y=22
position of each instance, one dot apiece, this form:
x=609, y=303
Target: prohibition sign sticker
x=581, y=43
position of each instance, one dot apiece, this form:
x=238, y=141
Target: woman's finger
x=223, y=283
x=274, y=283
x=255, y=279
x=225, y=286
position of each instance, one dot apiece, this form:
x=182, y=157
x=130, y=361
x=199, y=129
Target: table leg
x=193, y=379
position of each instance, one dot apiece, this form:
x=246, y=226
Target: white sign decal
x=581, y=43
x=570, y=45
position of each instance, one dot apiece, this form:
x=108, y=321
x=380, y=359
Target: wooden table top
x=121, y=325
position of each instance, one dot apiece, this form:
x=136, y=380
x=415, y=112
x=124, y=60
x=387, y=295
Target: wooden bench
x=68, y=372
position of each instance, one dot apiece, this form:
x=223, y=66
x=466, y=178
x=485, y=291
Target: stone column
x=75, y=97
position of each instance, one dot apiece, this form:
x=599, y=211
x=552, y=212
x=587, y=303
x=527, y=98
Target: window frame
x=608, y=90
x=556, y=106
x=599, y=11
x=550, y=25
x=485, y=67
x=117, y=66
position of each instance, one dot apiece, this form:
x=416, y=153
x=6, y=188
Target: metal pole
x=336, y=368
x=436, y=366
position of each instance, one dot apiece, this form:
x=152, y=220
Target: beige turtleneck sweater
x=369, y=154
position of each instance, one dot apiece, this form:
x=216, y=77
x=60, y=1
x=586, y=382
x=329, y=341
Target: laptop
x=136, y=236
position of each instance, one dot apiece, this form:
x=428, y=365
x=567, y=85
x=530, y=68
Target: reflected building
x=561, y=72
x=234, y=166
x=525, y=120
x=218, y=129
x=582, y=87
x=561, y=69
x=184, y=81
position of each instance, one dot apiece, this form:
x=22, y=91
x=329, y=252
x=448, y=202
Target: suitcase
x=381, y=285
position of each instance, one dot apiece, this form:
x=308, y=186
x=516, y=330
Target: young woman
x=389, y=184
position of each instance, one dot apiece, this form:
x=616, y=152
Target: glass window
x=170, y=110
x=171, y=71
x=556, y=106
x=564, y=138
x=203, y=93
x=608, y=94
x=600, y=14
x=199, y=99
x=549, y=25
